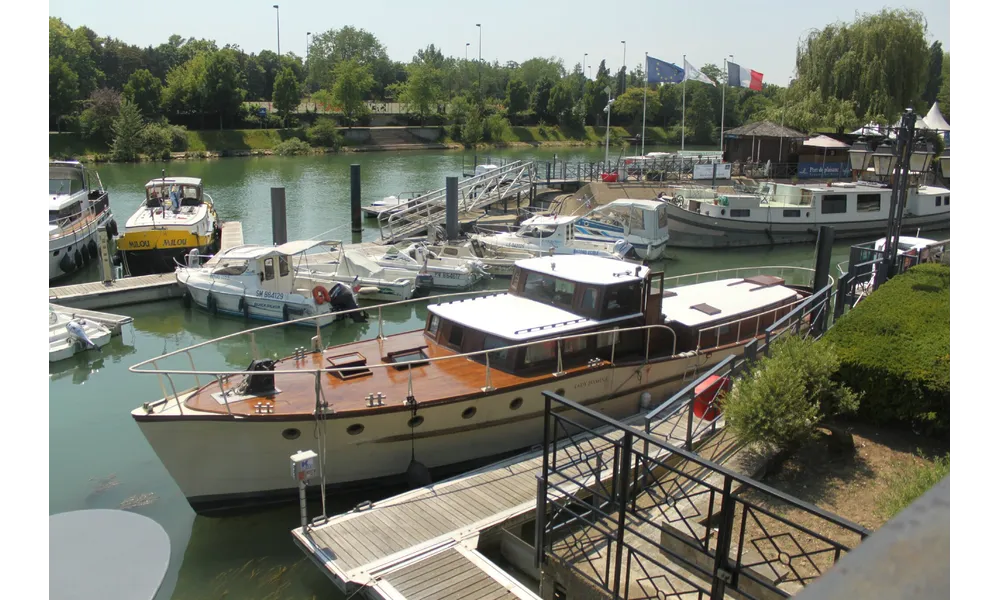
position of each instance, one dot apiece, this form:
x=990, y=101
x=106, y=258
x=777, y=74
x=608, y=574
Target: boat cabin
x=71, y=186
x=177, y=191
x=642, y=223
x=268, y=270
x=548, y=297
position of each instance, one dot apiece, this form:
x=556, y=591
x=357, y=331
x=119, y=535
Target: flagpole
x=684, y=101
x=725, y=84
x=645, y=90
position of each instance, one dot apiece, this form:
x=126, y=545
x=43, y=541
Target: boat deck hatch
x=764, y=281
x=669, y=293
x=344, y=361
x=405, y=359
x=708, y=309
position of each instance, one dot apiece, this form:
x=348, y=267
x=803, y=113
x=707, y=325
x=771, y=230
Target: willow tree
x=879, y=62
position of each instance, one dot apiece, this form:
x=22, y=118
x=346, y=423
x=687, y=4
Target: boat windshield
x=173, y=192
x=536, y=231
x=64, y=186
x=231, y=266
x=550, y=290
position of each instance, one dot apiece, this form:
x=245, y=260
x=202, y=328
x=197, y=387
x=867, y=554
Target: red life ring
x=320, y=295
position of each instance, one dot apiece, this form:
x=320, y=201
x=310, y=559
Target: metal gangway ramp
x=474, y=193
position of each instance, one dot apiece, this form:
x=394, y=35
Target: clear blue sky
x=761, y=36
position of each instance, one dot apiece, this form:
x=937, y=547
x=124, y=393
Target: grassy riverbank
x=264, y=141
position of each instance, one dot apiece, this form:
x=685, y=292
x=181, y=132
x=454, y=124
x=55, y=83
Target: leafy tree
x=540, y=100
x=669, y=96
x=422, y=91
x=629, y=104
x=944, y=94
x=700, y=122
x=325, y=133
x=63, y=88
x=127, y=129
x=351, y=83
x=224, y=85
x=713, y=72
x=145, y=91
x=533, y=70
x=785, y=396
x=185, y=89
x=596, y=98
x=335, y=46
x=430, y=56
x=286, y=93
x=102, y=109
x=560, y=105
x=518, y=97
x=936, y=57
x=73, y=73
x=117, y=61
x=880, y=62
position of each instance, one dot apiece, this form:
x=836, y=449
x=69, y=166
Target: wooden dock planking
x=399, y=541
x=232, y=235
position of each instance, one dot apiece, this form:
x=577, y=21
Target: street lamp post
x=909, y=154
x=466, y=51
x=277, y=24
x=583, y=72
x=624, y=69
x=308, y=33
x=480, y=26
x=607, y=126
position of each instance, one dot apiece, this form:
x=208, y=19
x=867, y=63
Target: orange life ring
x=320, y=295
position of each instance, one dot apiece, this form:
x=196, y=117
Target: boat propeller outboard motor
x=342, y=298
x=75, y=329
x=259, y=384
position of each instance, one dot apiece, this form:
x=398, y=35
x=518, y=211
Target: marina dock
x=111, y=321
x=425, y=543
x=96, y=295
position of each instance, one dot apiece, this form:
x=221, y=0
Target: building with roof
x=761, y=142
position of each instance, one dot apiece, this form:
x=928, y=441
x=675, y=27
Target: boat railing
x=724, y=328
x=792, y=275
x=222, y=376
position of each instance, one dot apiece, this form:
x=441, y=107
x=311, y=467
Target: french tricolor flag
x=747, y=78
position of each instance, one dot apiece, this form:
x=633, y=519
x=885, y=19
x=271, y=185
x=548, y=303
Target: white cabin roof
x=513, y=317
x=548, y=220
x=254, y=251
x=730, y=296
x=585, y=268
x=646, y=204
x=159, y=181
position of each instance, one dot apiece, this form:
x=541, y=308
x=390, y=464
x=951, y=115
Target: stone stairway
x=396, y=138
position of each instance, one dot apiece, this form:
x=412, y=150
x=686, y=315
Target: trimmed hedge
x=895, y=348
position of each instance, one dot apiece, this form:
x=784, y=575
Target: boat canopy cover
x=286, y=249
x=160, y=181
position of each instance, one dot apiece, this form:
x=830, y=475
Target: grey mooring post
x=451, y=207
x=824, y=254
x=355, y=198
x=714, y=167
x=279, y=225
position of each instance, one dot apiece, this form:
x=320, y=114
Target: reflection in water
x=82, y=365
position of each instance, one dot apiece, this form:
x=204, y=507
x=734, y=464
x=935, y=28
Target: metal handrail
x=698, y=276
x=757, y=331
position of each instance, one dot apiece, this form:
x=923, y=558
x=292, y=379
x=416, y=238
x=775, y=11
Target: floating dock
x=423, y=543
x=133, y=290
x=112, y=322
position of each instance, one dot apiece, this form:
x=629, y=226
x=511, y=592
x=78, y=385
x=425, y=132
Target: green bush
x=496, y=129
x=291, y=147
x=472, y=131
x=895, y=346
x=325, y=134
x=780, y=402
x=178, y=138
x=911, y=482
x=155, y=141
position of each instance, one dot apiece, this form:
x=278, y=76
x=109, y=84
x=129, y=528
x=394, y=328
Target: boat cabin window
x=268, y=269
x=455, y=336
x=500, y=356
x=548, y=289
x=589, y=302
x=833, y=204
x=282, y=266
x=415, y=356
x=792, y=213
x=536, y=231
x=869, y=202
x=947, y=200
x=937, y=201
x=605, y=339
x=739, y=212
x=539, y=352
x=65, y=186
x=621, y=300
x=433, y=325
x=65, y=212
x=183, y=195
x=661, y=216
x=231, y=266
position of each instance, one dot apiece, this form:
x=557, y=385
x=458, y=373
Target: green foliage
x=496, y=129
x=701, y=118
x=934, y=63
x=224, y=85
x=331, y=48
x=184, y=92
x=286, y=93
x=560, y=105
x=518, y=96
x=895, y=347
x=127, y=129
x=879, y=62
x=784, y=397
x=540, y=100
x=325, y=134
x=351, y=83
x=73, y=73
x=629, y=104
x=145, y=91
x=422, y=91
x=102, y=109
x=472, y=130
x=911, y=482
x=292, y=147
x=944, y=94
x=156, y=141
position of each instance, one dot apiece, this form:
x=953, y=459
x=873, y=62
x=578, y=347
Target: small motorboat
x=390, y=204
x=368, y=279
x=69, y=334
x=443, y=271
x=78, y=208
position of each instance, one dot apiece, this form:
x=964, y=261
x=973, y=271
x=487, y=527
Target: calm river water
x=99, y=458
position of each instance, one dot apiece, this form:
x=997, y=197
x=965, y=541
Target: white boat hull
x=69, y=243
x=274, y=307
x=221, y=462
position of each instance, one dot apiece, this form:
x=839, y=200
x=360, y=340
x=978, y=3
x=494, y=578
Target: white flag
x=694, y=74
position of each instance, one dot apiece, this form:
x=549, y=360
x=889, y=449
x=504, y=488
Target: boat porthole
x=469, y=412
x=55, y=253
x=807, y=214
x=561, y=392
x=355, y=429
x=516, y=403
x=723, y=212
x=416, y=421
x=291, y=434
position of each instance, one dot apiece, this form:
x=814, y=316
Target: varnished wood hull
x=221, y=462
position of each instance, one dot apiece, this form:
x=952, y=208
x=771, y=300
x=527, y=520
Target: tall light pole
x=725, y=84
x=480, y=26
x=466, y=51
x=308, y=33
x=277, y=23
x=583, y=72
x=607, y=125
x=624, y=70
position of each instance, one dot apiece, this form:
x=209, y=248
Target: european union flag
x=659, y=71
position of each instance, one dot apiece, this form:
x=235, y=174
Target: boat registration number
x=445, y=275
x=266, y=294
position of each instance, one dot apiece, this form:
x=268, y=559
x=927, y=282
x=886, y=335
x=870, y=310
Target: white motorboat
x=390, y=204
x=445, y=272
x=69, y=334
x=368, y=279
x=544, y=235
x=176, y=217
x=78, y=207
x=461, y=390
x=495, y=262
x=260, y=282
x=641, y=223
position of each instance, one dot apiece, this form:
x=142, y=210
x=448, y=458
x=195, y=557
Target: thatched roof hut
x=762, y=141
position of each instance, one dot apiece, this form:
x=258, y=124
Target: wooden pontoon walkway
x=383, y=548
x=133, y=290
